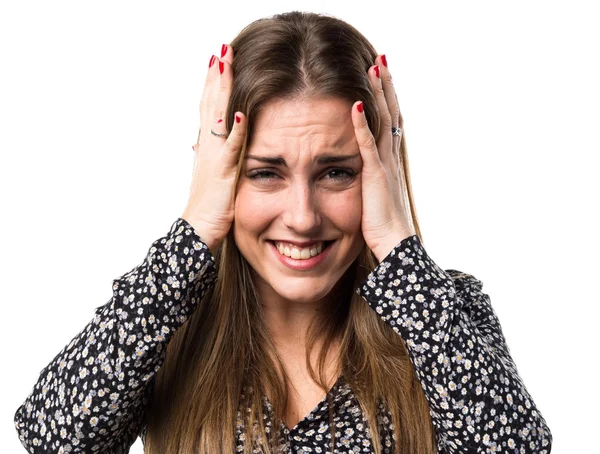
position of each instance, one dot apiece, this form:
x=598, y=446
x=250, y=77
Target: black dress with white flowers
x=92, y=396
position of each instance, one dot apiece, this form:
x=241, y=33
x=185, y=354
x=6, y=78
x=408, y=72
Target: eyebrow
x=325, y=159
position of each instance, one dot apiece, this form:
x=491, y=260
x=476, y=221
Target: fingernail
x=237, y=118
x=360, y=107
x=223, y=50
x=384, y=60
x=221, y=67
x=377, y=71
x=193, y=148
x=212, y=61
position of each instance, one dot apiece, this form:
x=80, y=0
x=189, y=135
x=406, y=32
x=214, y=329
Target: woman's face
x=300, y=183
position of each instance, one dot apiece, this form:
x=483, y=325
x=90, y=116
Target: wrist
x=385, y=247
x=201, y=231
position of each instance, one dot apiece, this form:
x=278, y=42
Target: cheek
x=344, y=209
x=251, y=212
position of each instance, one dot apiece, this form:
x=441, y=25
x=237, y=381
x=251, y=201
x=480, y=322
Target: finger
x=207, y=100
x=227, y=53
x=234, y=143
x=384, y=141
x=366, y=141
x=390, y=92
x=222, y=97
x=393, y=105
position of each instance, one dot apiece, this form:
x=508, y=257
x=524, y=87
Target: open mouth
x=298, y=253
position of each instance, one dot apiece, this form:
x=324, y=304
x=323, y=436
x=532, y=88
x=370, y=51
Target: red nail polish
x=360, y=107
x=212, y=61
x=221, y=67
x=384, y=60
x=377, y=72
x=223, y=50
x=237, y=119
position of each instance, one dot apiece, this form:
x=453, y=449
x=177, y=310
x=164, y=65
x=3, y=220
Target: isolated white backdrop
x=99, y=109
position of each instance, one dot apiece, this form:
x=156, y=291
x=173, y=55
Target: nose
x=301, y=212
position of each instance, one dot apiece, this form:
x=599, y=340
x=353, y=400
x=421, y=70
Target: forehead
x=324, y=121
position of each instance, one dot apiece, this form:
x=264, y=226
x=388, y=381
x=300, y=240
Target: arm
x=478, y=307
x=93, y=395
x=477, y=400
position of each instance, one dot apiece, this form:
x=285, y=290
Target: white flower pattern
x=93, y=396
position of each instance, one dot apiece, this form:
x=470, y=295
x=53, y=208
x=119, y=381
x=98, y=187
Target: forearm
x=92, y=395
x=476, y=397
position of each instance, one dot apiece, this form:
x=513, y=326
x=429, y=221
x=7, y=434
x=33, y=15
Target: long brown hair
x=221, y=359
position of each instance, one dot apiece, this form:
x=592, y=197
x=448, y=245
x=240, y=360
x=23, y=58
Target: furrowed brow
x=325, y=159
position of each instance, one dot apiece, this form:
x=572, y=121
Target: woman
x=245, y=329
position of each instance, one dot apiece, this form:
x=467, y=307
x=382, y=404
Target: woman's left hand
x=386, y=218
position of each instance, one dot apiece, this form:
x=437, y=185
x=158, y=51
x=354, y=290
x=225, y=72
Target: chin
x=301, y=292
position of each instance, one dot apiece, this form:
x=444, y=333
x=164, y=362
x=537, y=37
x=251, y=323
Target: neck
x=288, y=321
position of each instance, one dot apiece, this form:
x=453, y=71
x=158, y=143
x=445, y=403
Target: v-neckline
x=314, y=411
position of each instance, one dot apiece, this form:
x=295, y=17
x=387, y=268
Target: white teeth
x=299, y=253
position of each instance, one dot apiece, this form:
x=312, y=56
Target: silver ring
x=218, y=134
x=396, y=131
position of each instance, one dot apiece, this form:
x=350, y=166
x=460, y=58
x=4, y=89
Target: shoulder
x=471, y=298
x=467, y=285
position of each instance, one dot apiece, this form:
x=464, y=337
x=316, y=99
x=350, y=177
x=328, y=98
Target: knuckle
x=369, y=141
x=229, y=149
x=204, y=112
x=203, y=101
x=238, y=131
x=387, y=119
x=223, y=87
x=231, y=146
x=219, y=113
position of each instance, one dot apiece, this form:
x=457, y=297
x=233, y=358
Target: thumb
x=235, y=140
x=366, y=142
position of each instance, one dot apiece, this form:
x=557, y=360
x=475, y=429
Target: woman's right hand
x=210, y=207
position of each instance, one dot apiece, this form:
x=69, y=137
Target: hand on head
x=386, y=217
x=210, y=205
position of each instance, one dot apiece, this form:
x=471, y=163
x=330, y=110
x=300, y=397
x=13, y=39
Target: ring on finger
x=396, y=131
x=218, y=134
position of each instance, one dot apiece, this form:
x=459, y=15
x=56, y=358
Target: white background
x=99, y=109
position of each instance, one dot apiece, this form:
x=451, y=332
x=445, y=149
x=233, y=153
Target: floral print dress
x=92, y=396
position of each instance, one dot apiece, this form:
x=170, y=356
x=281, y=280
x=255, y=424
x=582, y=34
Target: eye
x=261, y=175
x=341, y=173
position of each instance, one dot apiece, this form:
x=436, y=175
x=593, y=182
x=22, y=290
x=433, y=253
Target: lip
x=302, y=244
x=301, y=265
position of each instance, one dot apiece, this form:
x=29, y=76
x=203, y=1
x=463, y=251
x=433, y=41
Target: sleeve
x=93, y=395
x=478, y=402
